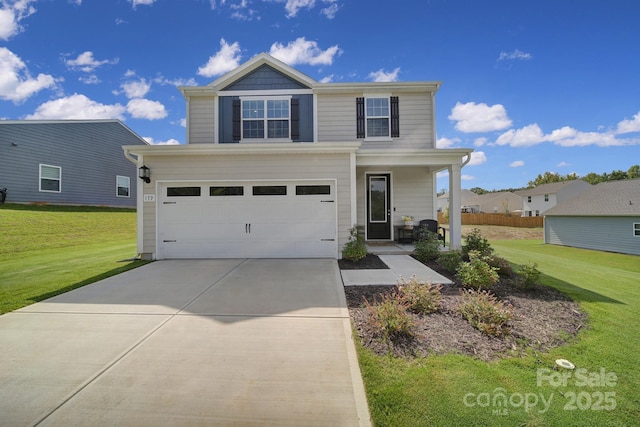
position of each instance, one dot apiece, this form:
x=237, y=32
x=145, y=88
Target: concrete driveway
x=187, y=342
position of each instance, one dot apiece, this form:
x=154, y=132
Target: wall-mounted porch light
x=144, y=173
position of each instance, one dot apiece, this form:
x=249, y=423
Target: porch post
x=455, y=204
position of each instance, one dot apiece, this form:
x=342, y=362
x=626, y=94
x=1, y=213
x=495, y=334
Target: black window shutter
x=395, y=117
x=295, y=119
x=237, y=121
x=360, y=130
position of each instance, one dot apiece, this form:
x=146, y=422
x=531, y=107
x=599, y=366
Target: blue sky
x=532, y=86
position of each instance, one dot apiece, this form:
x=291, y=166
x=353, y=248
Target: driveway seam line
x=124, y=354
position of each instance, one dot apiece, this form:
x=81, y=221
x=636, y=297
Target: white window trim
x=388, y=117
x=265, y=118
x=40, y=178
x=128, y=186
x=636, y=227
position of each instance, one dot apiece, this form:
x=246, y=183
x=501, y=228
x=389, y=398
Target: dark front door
x=379, y=207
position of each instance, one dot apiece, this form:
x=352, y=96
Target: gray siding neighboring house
x=501, y=202
x=536, y=201
x=605, y=217
x=68, y=162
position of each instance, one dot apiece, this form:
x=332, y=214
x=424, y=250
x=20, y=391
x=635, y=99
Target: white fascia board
x=377, y=87
x=222, y=149
x=411, y=157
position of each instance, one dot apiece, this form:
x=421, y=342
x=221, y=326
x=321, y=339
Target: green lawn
x=48, y=250
x=604, y=390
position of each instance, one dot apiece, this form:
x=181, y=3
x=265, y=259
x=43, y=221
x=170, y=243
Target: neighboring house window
x=537, y=213
x=636, y=229
x=528, y=199
x=266, y=118
x=378, y=117
x=50, y=178
x=546, y=197
x=122, y=186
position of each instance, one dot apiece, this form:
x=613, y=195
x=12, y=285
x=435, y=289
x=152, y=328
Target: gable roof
x=614, y=198
x=550, y=188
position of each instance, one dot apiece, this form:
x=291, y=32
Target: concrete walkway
x=399, y=265
x=189, y=342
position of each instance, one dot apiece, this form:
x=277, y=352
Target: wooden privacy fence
x=498, y=219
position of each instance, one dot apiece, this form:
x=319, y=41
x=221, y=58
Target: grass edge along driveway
x=455, y=390
x=48, y=250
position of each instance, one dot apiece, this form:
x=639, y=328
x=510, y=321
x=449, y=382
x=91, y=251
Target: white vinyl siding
x=337, y=121
x=202, y=126
x=123, y=186
x=50, y=178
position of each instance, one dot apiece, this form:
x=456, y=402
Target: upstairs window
x=50, y=178
x=546, y=197
x=378, y=117
x=528, y=199
x=266, y=118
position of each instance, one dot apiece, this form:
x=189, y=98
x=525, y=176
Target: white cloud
x=293, y=6
x=628, y=126
x=91, y=79
x=146, y=109
x=152, y=141
x=303, y=51
x=563, y=164
x=477, y=158
x=516, y=54
x=11, y=13
x=446, y=142
x=136, y=89
x=16, y=84
x=565, y=137
x=331, y=10
x=225, y=60
x=516, y=164
x=161, y=80
x=467, y=177
x=77, y=106
x=87, y=63
x=135, y=3
x=479, y=142
x=383, y=76
x=524, y=137
x=472, y=117
x=327, y=79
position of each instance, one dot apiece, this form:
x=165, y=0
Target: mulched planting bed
x=370, y=262
x=544, y=318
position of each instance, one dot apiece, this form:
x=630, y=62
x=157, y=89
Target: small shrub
x=427, y=247
x=450, y=260
x=528, y=275
x=485, y=312
x=474, y=241
x=502, y=265
x=391, y=315
x=355, y=249
x=477, y=274
x=420, y=297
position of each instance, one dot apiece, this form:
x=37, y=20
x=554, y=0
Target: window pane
x=253, y=109
x=123, y=192
x=278, y=129
x=278, y=109
x=309, y=190
x=377, y=127
x=50, y=184
x=226, y=191
x=122, y=181
x=183, y=191
x=270, y=190
x=378, y=199
x=49, y=172
x=253, y=129
x=377, y=107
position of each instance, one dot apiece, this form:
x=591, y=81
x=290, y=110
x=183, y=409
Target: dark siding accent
x=237, y=121
x=89, y=153
x=265, y=78
x=295, y=119
x=360, y=129
x=395, y=117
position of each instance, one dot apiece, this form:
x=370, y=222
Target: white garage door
x=247, y=220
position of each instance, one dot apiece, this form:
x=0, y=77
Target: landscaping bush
x=474, y=241
x=355, y=249
x=477, y=274
x=450, y=260
x=427, y=247
x=391, y=315
x=485, y=312
x=528, y=275
x=503, y=266
x=420, y=297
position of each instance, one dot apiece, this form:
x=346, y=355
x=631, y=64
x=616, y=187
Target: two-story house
x=535, y=201
x=279, y=165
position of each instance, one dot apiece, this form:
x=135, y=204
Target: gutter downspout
x=139, y=203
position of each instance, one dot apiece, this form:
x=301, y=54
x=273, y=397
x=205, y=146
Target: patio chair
x=432, y=225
